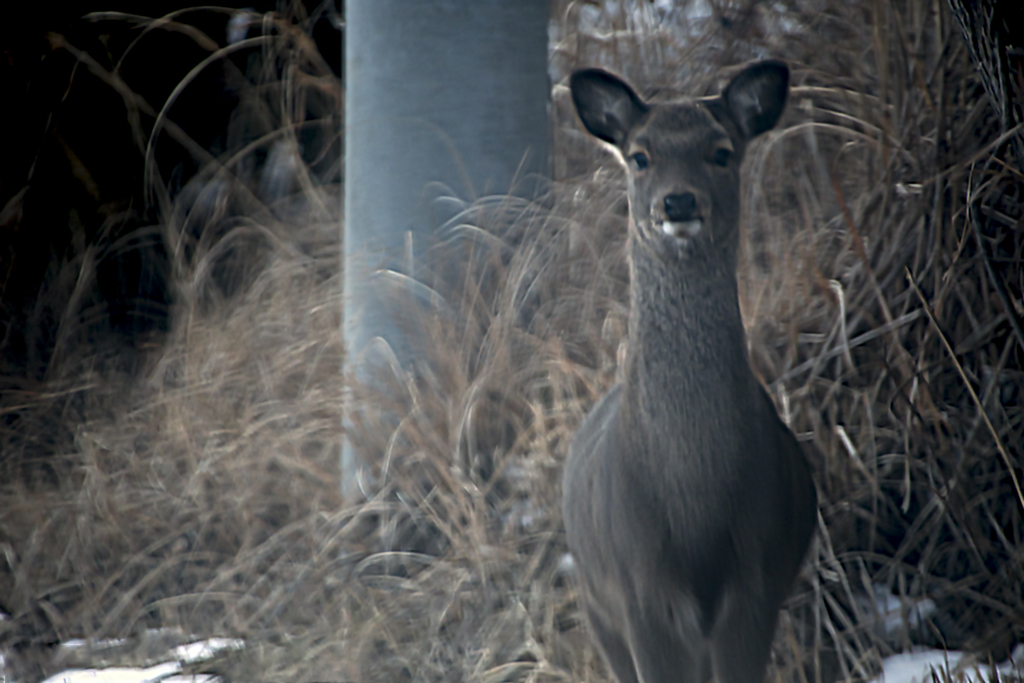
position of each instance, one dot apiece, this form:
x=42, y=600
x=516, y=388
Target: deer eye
x=722, y=157
x=641, y=160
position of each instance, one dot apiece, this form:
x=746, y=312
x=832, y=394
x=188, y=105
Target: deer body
x=688, y=504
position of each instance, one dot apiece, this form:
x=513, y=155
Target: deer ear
x=757, y=95
x=607, y=106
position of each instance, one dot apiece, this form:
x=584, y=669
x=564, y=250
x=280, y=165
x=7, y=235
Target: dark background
x=71, y=165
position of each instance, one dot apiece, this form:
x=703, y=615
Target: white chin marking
x=682, y=231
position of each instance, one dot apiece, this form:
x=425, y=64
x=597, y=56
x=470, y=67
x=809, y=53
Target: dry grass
x=881, y=288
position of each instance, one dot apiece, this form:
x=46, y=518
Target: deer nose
x=680, y=208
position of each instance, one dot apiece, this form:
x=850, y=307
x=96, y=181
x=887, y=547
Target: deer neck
x=687, y=345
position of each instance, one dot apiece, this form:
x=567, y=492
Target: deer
x=688, y=504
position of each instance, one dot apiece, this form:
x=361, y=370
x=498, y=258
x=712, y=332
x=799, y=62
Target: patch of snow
x=890, y=610
x=918, y=665
x=160, y=672
x=165, y=672
x=892, y=615
x=194, y=652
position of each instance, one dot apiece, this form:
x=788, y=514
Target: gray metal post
x=437, y=91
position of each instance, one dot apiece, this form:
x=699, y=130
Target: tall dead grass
x=881, y=289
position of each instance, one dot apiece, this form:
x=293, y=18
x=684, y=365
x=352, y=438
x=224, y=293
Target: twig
x=970, y=389
x=997, y=282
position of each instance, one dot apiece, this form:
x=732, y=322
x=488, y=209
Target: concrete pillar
x=453, y=92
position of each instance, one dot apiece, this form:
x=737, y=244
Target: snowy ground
x=165, y=672
x=918, y=666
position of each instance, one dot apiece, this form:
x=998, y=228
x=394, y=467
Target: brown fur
x=688, y=504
